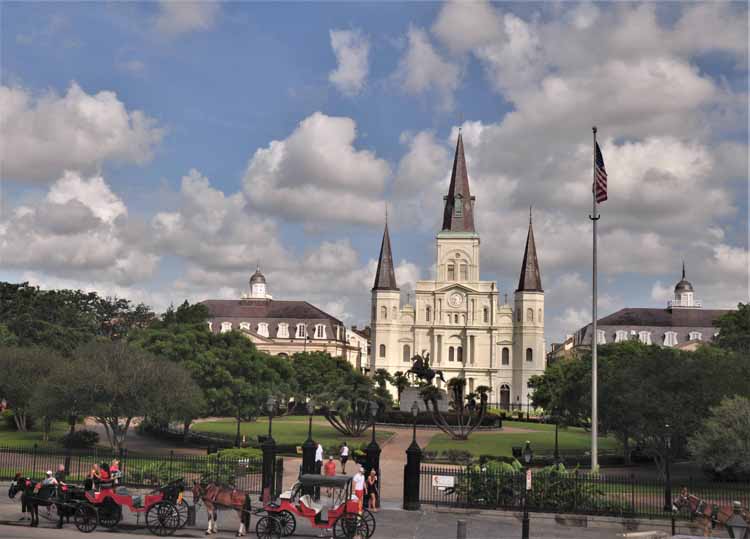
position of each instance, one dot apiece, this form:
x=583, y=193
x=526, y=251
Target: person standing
x=358, y=481
x=344, y=455
x=329, y=470
x=372, y=491
x=318, y=467
x=60, y=473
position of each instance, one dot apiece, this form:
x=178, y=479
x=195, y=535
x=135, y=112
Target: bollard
x=460, y=529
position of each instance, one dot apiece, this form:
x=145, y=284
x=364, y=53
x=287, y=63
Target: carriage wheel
x=369, y=518
x=351, y=526
x=268, y=528
x=162, y=518
x=288, y=523
x=85, y=518
x=110, y=514
x=182, y=511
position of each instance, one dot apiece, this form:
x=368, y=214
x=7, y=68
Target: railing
x=137, y=470
x=567, y=492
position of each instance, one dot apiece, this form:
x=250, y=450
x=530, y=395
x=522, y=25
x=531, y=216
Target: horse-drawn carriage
x=342, y=515
x=164, y=507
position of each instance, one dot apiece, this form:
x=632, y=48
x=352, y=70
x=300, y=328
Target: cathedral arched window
x=455, y=319
x=451, y=352
x=486, y=315
x=451, y=272
x=384, y=312
x=529, y=315
x=460, y=353
x=382, y=350
x=529, y=355
x=407, y=352
x=427, y=313
x=506, y=356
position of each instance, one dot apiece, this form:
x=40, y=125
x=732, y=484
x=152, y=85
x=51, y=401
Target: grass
x=10, y=436
x=571, y=439
x=289, y=430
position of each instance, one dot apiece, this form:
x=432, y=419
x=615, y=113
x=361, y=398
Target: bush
x=9, y=418
x=240, y=453
x=80, y=439
x=457, y=455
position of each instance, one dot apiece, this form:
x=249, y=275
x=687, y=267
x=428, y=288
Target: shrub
x=491, y=419
x=80, y=439
x=240, y=453
x=457, y=455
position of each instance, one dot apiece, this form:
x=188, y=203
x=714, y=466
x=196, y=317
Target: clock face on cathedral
x=455, y=299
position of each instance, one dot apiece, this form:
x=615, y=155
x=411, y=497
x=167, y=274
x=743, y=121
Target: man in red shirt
x=329, y=470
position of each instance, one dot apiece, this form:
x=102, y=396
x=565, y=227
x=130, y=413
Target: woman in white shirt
x=344, y=455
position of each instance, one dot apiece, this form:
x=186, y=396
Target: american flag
x=600, y=176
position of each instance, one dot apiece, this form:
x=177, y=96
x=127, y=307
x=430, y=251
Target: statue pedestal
x=411, y=395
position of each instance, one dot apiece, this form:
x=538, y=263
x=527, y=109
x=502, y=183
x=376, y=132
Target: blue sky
x=160, y=150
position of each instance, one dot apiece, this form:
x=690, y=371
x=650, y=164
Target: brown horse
x=218, y=497
x=708, y=514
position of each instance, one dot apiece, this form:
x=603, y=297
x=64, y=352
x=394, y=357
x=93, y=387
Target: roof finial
x=257, y=266
x=683, y=268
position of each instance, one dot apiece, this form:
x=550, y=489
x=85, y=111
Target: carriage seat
x=286, y=495
x=122, y=491
x=308, y=502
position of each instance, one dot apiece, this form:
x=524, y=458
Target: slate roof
x=459, y=187
x=385, y=278
x=531, y=278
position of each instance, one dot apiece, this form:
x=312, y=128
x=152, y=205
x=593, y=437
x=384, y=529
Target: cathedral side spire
x=458, y=215
x=385, y=277
x=530, y=279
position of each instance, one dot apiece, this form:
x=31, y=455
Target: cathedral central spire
x=458, y=215
x=531, y=279
x=385, y=278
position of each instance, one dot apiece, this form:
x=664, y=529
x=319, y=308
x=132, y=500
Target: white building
x=359, y=347
x=457, y=318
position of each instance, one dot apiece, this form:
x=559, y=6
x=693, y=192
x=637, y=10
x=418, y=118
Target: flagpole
x=594, y=383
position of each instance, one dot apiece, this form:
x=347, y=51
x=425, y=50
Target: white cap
x=49, y=472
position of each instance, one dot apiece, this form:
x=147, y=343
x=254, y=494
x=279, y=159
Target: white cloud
x=422, y=69
x=92, y=192
x=462, y=26
x=182, y=16
x=46, y=135
x=317, y=174
x=351, y=48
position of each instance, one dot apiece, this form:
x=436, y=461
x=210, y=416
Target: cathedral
x=457, y=318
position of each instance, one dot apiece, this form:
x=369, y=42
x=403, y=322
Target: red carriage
x=342, y=514
x=164, y=508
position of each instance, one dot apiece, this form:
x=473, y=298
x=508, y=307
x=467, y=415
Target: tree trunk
x=237, y=435
x=20, y=419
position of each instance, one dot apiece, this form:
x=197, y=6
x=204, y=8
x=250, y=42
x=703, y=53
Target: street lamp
x=668, y=484
x=414, y=414
x=528, y=456
x=271, y=408
x=373, y=414
x=310, y=409
x=736, y=525
x=528, y=405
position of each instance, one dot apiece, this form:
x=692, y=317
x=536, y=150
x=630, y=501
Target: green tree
x=22, y=369
x=734, y=330
x=400, y=382
x=565, y=389
x=722, y=445
x=7, y=337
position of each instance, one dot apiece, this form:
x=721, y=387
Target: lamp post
x=308, y=449
x=269, y=454
x=736, y=525
x=528, y=456
x=373, y=449
x=668, y=484
x=412, y=467
x=528, y=406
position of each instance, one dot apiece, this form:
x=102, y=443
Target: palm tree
x=401, y=382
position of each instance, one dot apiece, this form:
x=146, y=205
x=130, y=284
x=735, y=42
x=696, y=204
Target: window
x=621, y=335
x=458, y=206
x=427, y=313
x=210, y=326
x=262, y=329
x=486, y=315
x=506, y=356
x=460, y=354
x=320, y=331
x=282, y=332
x=451, y=352
x=601, y=338
x=529, y=315
x=383, y=313
x=407, y=353
x=539, y=318
x=464, y=272
x=505, y=396
x=529, y=355
x=644, y=337
x=245, y=325
x=451, y=272
x=455, y=319
x=301, y=331
x=670, y=338
x=696, y=336
x=382, y=350
x=226, y=326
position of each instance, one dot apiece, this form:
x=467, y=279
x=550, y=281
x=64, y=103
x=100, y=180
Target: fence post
x=412, y=476
x=269, y=456
x=279, y=476
x=171, y=457
x=460, y=529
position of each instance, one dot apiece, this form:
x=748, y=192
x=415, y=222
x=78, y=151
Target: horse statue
x=218, y=497
x=421, y=370
x=709, y=514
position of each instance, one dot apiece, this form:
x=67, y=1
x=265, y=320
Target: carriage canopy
x=330, y=481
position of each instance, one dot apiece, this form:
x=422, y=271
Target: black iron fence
x=624, y=496
x=137, y=470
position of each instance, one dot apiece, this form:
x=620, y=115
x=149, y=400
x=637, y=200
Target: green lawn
x=542, y=440
x=12, y=437
x=289, y=430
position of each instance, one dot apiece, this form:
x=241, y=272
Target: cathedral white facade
x=457, y=318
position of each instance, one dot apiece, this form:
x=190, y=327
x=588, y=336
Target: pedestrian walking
x=344, y=456
x=372, y=491
x=359, y=486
